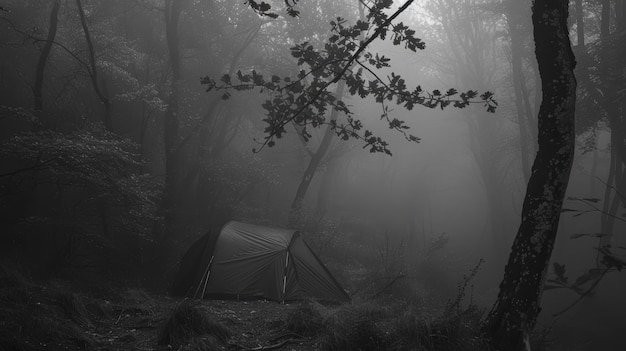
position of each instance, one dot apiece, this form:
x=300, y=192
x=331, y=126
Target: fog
x=130, y=159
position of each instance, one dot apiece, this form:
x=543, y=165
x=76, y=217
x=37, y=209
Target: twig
x=583, y=295
x=119, y=317
x=398, y=277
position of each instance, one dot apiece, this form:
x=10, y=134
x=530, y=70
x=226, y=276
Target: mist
x=130, y=129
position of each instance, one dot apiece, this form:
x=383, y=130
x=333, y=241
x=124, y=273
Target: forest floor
x=34, y=317
x=58, y=315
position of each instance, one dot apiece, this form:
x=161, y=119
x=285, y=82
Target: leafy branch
x=304, y=100
x=611, y=263
x=591, y=204
x=263, y=9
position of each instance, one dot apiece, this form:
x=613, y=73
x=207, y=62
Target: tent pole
x=205, y=278
x=285, y=276
x=208, y=273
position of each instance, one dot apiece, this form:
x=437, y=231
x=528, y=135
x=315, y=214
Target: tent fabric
x=247, y=261
x=200, y=251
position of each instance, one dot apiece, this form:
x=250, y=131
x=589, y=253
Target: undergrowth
x=392, y=324
x=34, y=317
x=49, y=315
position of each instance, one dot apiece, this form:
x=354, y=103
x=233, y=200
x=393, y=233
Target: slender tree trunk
x=524, y=114
x=99, y=86
x=43, y=57
x=518, y=304
x=171, y=122
x=295, y=212
x=609, y=71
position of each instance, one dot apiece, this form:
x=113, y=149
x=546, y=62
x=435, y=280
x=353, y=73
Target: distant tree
x=43, y=57
x=470, y=29
x=518, y=304
x=519, y=30
x=611, y=76
x=99, y=85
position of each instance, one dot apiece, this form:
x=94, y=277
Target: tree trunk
x=171, y=123
x=518, y=304
x=43, y=57
x=164, y=230
x=101, y=91
x=609, y=74
x=295, y=212
x=522, y=105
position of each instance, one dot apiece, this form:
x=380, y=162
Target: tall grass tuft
x=359, y=326
x=73, y=307
x=188, y=320
x=306, y=319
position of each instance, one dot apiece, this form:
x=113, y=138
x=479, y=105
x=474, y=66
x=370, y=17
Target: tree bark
x=516, y=309
x=43, y=57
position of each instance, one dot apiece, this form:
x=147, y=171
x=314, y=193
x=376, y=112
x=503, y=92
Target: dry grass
x=187, y=320
x=73, y=307
x=306, y=319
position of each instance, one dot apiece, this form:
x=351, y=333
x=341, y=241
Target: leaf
x=593, y=235
x=551, y=287
x=591, y=199
x=559, y=270
x=591, y=274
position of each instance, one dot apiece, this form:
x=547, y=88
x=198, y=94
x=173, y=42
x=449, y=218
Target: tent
x=246, y=261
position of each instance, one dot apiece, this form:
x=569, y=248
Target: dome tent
x=246, y=261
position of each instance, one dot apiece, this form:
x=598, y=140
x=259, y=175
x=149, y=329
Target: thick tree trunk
x=518, y=304
x=43, y=57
